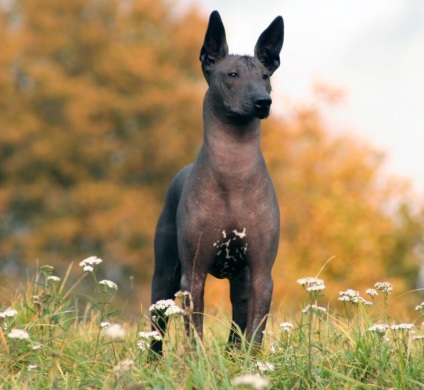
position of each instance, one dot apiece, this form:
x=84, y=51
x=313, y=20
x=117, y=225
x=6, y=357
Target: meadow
x=50, y=340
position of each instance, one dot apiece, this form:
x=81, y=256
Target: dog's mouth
x=262, y=112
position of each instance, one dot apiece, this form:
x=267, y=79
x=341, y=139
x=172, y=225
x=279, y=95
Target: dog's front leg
x=195, y=284
x=239, y=294
x=259, y=304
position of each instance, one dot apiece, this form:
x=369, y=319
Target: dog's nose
x=263, y=103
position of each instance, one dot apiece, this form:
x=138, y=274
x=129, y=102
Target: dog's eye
x=265, y=76
x=233, y=75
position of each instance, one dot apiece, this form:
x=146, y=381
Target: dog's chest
x=230, y=253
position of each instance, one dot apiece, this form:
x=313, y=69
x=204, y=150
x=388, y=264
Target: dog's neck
x=230, y=146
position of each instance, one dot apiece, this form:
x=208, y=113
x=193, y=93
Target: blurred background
x=101, y=104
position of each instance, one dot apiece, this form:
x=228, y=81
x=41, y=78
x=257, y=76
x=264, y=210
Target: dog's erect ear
x=269, y=44
x=215, y=45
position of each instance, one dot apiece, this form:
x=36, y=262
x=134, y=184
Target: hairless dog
x=221, y=214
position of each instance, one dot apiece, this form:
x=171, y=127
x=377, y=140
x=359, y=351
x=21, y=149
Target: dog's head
x=240, y=85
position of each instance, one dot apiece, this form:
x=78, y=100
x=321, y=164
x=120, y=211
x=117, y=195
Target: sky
x=372, y=50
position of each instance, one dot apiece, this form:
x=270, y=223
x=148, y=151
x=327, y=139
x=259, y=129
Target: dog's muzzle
x=262, y=106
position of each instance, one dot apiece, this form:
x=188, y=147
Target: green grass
x=67, y=348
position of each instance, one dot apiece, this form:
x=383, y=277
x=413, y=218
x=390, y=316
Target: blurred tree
x=101, y=106
x=337, y=204
x=101, y=101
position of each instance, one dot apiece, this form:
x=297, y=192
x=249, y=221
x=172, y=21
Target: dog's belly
x=230, y=254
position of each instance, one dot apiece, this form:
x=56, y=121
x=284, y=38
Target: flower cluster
x=286, y=326
x=167, y=306
x=275, y=347
x=53, y=278
x=109, y=284
x=315, y=308
x=145, y=338
x=379, y=328
x=8, y=313
x=114, y=331
x=420, y=307
x=400, y=327
x=264, y=367
x=18, y=334
x=182, y=294
x=255, y=381
x=89, y=263
x=47, y=268
x=384, y=287
x=312, y=284
x=371, y=292
x=352, y=296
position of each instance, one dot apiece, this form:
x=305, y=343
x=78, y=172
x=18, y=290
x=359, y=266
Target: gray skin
x=221, y=214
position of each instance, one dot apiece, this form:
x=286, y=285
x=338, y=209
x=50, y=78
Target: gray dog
x=221, y=214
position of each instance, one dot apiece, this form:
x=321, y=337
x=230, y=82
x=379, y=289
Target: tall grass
x=48, y=341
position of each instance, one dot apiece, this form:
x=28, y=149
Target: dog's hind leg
x=167, y=274
x=166, y=277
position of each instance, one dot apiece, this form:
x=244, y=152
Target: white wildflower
x=89, y=263
x=182, y=294
x=312, y=284
x=36, y=347
x=275, y=346
x=264, y=367
x=154, y=335
x=419, y=337
x=8, y=313
x=384, y=287
x=168, y=306
x=398, y=327
x=53, y=278
x=344, y=298
x=18, y=334
x=163, y=304
x=286, y=326
x=352, y=296
x=314, y=308
x=173, y=311
x=371, y=292
x=46, y=267
x=143, y=345
x=379, y=328
x=109, y=284
x=32, y=367
x=115, y=331
x=420, y=307
x=365, y=302
x=104, y=324
x=146, y=337
x=255, y=381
